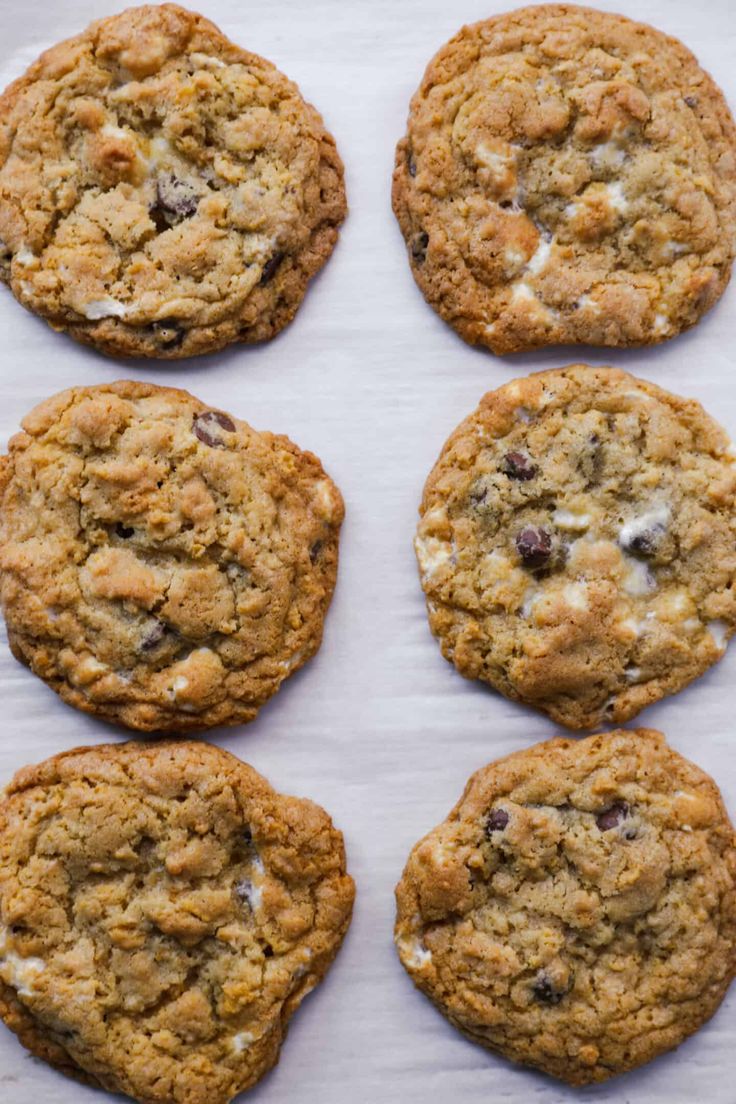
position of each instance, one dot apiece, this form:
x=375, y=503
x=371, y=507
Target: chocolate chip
x=177, y=198
x=612, y=817
x=315, y=550
x=545, y=991
x=477, y=494
x=419, y=245
x=644, y=542
x=270, y=267
x=496, y=821
x=517, y=465
x=124, y=531
x=244, y=890
x=534, y=546
x=691, y=101
x=411, y=165
x=506, y=203
x=158, y=218
x=247, y=834
x=153, y=636
x=268, y=951
x=168, y=332
x=206, y=428
x=591, y=460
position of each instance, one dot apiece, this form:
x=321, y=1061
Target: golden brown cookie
x=567, y=176
x=164, y=913
x=577, y=543
x=576, y=911
x=162, y=564
x=163, y=193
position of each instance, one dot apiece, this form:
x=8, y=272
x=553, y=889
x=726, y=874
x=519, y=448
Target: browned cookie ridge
x=163, y=193
x=163, y=913
x=567, y=175
x=162, y=564
x=576, y=911
x=577, y=543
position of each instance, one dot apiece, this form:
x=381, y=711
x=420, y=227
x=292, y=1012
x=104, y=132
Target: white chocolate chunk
x=432, y=553
x=251, y=889
x=524, y=293
x=586, y=303
x=207, y=61
x=104, y=308
x=656, y=518
x=616, y=197
x=607, y=153
x=540, y=257
x=239, y=1042
x=415, y=954
x=638, y=579
x=719, y=632
x=18, y=972
x=576, y=596
x=567, y=519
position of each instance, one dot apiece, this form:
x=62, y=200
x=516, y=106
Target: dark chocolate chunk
x=517, y=465
x=419, y=245
x=270, y=267
x=645, y=542
x=545, y=990
x=124, y=531
x=315, y=550
x=691, y=101
x=207, y=428
x=496, y=821
x=612, y=817
x=153, y=636
x=168, y=332
x=534, y=546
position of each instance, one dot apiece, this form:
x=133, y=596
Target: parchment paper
x=378, y=728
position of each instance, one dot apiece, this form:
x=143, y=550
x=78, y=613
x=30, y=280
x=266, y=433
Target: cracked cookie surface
x=162, y=565
x=576, y=911
x=577, y=543
x=163, y=914
x=567, y=175
x=163, y=193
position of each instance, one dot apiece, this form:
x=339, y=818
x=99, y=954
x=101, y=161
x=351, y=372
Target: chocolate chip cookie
x=567, y=176
x=164, y=913
x=577, y=543
x=162, y=564
x=163, y=192
x=576, y=911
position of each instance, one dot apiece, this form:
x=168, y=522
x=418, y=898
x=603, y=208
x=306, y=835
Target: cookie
x=567, y=176
x=577, y=543
x=163, y=193
x=576, y=911
x=164, y=913
x=162, y=564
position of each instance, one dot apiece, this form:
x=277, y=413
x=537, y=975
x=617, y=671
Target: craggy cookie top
x=163, y=914
x=577, y=909
x=163, y=192
x=567, y=176
x=577, y=543
x=162, y=564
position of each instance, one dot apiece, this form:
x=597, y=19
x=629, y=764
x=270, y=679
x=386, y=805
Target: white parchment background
x=378, y=728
